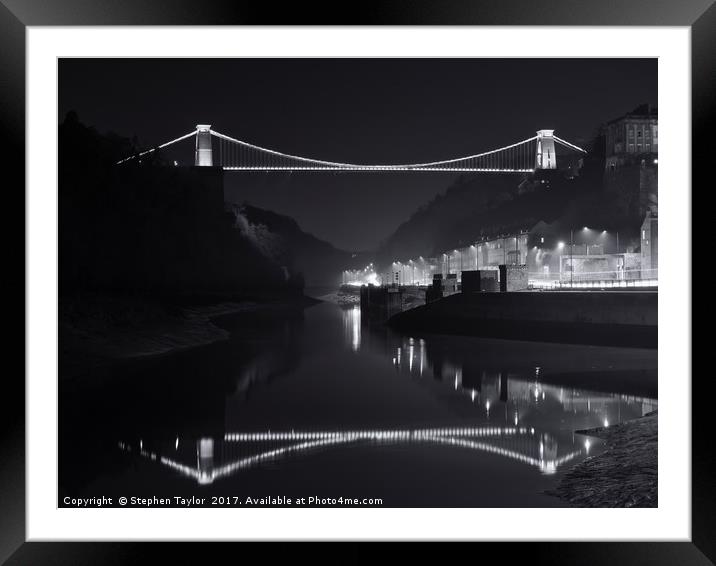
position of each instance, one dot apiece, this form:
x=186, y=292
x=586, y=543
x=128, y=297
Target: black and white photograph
x=358, y=282
x=296, y=276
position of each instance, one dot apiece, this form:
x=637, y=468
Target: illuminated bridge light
x=205, y=473
x=294, y=435
x=237, y=155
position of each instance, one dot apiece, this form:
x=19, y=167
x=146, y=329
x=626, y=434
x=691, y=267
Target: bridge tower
x=546, y=157
x=203, y=156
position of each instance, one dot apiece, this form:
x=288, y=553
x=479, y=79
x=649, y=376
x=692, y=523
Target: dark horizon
x=358, y=110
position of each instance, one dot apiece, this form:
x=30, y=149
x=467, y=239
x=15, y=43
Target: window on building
x=643, y=234
x=638, y=134
x=631, y=148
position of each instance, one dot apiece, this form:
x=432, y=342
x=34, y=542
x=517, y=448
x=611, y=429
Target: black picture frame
x=17, y=15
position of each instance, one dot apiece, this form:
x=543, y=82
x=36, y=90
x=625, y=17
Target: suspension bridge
x=214, y=149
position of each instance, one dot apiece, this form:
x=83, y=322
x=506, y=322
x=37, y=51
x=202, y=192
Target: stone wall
x=628, y=318
x=480, y=281
x=513, y=278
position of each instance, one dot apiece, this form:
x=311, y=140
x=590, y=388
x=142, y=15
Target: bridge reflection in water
x=506, y=397
x=520, y=444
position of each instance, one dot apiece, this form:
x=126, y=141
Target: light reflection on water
x=503, y=395
x=522, y=445
x=519, y=390
x=352, y=327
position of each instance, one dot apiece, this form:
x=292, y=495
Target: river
x=317, y=403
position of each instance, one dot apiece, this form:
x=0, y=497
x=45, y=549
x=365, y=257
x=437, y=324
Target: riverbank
x=624, y=475
x=619, y=319
x=103, y=331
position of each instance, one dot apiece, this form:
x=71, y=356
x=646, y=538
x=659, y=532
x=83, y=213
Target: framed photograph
x=290, y=277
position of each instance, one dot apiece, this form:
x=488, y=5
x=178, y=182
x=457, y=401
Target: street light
x=560, y=247
x=571, y=258
x=617, y=235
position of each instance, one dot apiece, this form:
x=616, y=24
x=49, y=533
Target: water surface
x=318, y=403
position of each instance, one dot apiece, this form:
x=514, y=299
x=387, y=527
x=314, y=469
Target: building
x=484, y=255
x=560, y=254
x=650, y=245
x=631, y=160
x=625, y=266
x=507, y=250
x=631, y=135
x=418, y=271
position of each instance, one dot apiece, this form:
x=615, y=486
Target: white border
x=671, y=521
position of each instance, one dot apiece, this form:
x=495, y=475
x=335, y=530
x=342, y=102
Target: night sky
x=354, y=110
